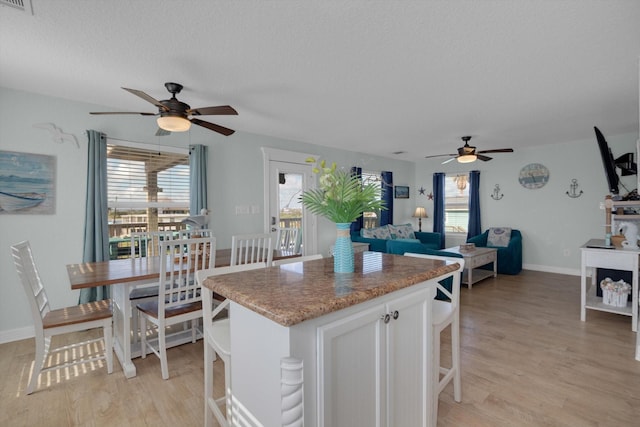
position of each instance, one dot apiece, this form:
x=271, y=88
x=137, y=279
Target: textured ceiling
x=370, y=76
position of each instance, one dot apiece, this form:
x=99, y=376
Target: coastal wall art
x=27, y=183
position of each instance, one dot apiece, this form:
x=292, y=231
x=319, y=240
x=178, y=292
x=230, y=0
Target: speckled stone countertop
x=292, y=293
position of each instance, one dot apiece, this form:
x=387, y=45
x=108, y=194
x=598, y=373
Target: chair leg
x=162, y=349
x=143, y=336
x=455, y=360
x=208, y=383
x=436, y=373
x=42, y=349
x=108, y=346
x=194, y=324
x=227, y=390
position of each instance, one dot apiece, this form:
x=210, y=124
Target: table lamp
x=420, y=213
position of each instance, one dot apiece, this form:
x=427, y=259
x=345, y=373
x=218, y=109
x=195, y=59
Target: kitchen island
x=362, y=341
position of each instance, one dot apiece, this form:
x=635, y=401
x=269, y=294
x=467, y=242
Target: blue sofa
x=428, y=240
x=509, y=257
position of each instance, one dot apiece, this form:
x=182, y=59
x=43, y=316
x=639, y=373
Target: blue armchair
x=509, y=257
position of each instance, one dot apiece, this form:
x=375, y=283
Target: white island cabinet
x=363, y=341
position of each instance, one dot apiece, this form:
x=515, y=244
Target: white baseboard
x=547, y=269
x=17, y=334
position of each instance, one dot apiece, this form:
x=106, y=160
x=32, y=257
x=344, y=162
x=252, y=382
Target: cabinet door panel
x=350, y=360
x=407, y=358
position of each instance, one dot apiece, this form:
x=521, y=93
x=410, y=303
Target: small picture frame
x=401, y=192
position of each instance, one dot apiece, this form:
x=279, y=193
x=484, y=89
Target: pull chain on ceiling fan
x=468, y=154
x=174, y=114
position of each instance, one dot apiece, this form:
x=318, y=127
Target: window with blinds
x=148, y=190
x=371, y=218
x=456, y=203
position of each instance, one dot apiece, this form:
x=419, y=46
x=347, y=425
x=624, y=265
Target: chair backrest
x=250, y=248
x=288, y=241
x=208, y=312
x=30, y=278
x=192, y=232
x=454, y=294
x=147, y=243
x=296, y=259
x=177, y=279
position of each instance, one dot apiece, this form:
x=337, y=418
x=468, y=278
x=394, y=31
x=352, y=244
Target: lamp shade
x=420, y=212
x=174, y=123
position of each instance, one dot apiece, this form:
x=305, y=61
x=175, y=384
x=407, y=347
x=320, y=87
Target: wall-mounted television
x=608, y=162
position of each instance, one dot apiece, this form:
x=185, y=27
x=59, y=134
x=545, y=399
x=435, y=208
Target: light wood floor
x=527, y=360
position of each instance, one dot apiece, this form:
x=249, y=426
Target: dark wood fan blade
x=439, y=155
x=211, y=111
x=498, y=150
x=147, y=98
x=483, y=158
x=217, y=128
x=121, y=112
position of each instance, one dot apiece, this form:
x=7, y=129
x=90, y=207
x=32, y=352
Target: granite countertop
x=292, y=293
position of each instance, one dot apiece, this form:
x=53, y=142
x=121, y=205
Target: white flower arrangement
x=615, y=293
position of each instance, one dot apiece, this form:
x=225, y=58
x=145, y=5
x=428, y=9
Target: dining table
x=124, y=275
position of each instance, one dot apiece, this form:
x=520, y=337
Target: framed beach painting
x=27, y=183
x=401, y=192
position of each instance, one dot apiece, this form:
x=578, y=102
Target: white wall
x=553, y=225
x=235, y=178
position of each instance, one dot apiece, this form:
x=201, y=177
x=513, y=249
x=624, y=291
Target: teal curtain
x=386, y=215
x=197, y=178
x=474, y=227
x=96, y=227
x=438, y=205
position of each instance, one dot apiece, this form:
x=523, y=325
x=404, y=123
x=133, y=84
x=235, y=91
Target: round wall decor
x=533, y=176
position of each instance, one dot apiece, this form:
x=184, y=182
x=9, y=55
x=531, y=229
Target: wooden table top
x=92, y=274
x=292, y=293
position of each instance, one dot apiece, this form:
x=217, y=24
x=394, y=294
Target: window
x=148, y=190
x=371, y=219
x=456, y=203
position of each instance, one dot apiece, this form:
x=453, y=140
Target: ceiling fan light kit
x=174, y=123
x=468, y=153
x=467, y=158
x=174, y=115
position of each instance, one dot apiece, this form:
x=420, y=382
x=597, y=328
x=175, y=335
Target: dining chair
x=288, y=241
x=48, y=323
x=446, y=313
x=251, y=248
x=194, y=232
x=145, y=244
x=217, y=341
x=291, y=260
x=179, y=298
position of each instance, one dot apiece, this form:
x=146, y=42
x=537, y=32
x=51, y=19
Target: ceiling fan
x=468, y=153
x=174, y=115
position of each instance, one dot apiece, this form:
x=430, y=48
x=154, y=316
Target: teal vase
x=343, y=250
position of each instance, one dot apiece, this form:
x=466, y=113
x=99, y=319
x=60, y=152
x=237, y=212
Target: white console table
x=615, y=259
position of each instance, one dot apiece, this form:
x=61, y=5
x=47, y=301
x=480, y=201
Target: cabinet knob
x=386, y=318
x=396, y=314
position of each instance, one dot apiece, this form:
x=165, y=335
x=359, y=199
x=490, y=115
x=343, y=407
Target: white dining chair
x=446, y=313
x=291, y=260
x=48, y=323
x=217, y=341
x=179, y=298
x=195, y=232
x=145, y=244
x=251, y=248
x=288, y=241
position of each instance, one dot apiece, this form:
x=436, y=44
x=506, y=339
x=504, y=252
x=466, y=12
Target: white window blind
x=148, y=189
